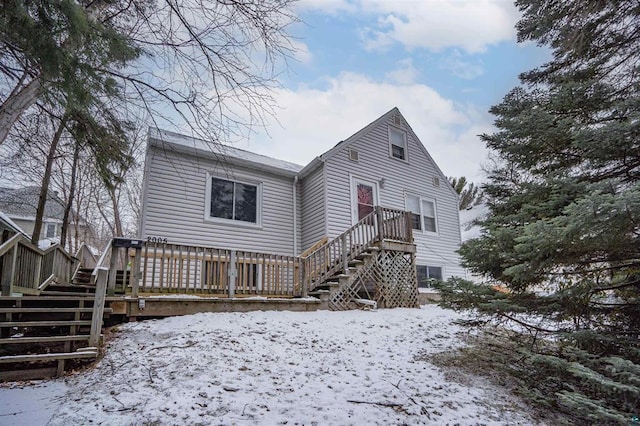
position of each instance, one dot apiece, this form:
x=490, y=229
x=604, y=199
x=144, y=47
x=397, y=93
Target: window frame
x=48, y=226
x=391, y=144
x=428, y=285
x=422, y=199
x=234, y=222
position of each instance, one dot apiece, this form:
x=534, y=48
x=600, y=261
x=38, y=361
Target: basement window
x=428, y=274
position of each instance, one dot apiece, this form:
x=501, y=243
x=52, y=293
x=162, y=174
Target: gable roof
x=23, y=203
x=316, y=162
x=181, y=143
x=199, y=147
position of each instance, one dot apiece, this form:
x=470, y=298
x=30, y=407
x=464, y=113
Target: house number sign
x=157, y=240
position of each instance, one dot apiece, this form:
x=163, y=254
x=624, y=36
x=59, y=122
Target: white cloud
x=470, y=25
x=406, y=73
x=301, y=52
x=311, y=121
x=462, y=68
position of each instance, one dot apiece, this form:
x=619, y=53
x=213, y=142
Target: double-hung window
x=50, y=230
x=398, y=143
x=233, y=200
x=423, y=213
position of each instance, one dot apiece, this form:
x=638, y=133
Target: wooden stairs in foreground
x=40, y=335
x=372, y=264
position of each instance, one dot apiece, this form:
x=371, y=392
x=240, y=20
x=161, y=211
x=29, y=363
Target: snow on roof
x=23, y=202
x=157, y=137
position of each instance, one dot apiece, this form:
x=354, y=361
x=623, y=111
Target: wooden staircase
x=40, y=334
x=370, y=264
x=45, y=323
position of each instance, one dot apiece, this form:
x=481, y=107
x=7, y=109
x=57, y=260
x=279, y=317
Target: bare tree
x=204, y=63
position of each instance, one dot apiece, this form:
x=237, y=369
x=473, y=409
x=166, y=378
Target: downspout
x=295, y=216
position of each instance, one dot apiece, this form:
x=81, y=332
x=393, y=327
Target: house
x=204, y=194
x=20, y=205
x=7, y=225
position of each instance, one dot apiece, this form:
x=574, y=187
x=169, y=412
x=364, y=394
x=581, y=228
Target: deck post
x=135, y=272
x=233, y=273
x=113, y=271
x=303, y=277
x=345, y=260
x=98, y=307
x=9, y=270
x=36, y=272
x=380, y=219
x=408, y=227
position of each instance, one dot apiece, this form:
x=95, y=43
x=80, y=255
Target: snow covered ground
x=295, y=368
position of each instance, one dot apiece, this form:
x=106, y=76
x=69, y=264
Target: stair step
x=68, y=297
x=47, y=357
x=44, y=339
x=43, y=323
x=47, y=310
x=65, y=293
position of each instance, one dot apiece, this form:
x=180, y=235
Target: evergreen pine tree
x=563, y=232
x=469, y=194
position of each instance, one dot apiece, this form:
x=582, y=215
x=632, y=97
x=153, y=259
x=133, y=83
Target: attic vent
x=353, y=155
x=397, y=120
x=436, y=181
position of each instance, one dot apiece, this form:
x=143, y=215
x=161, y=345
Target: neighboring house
x=20, y=205
x=6, y=224
x=200, y=193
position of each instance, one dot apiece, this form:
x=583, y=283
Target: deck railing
x=184, y=269
x=160, y=267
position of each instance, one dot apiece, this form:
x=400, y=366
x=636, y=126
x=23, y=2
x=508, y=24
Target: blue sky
x=443, y=63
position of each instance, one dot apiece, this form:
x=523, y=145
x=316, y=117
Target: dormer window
x=398, y=143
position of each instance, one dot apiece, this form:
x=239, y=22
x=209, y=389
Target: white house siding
x=175, y=205
x=415, y=177
x=313, y=208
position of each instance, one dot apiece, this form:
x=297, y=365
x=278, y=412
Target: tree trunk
x=72, y=190
x=44, y=188
x=20, y=99
x=117, y=222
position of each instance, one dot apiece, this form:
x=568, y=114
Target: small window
x=353, y=155
x=423, y=213
x=436, y=181
x=398, y=143
x=51, y=230
x=428, y=274
x=233, y=200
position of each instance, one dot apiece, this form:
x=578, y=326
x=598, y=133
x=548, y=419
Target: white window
x=427, y=274
x=50, y=231
x=423, y=213
x=398, y=143
x=232, y=200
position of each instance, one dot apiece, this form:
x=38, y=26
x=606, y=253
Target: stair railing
x=27, y=269
x=334, y=256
